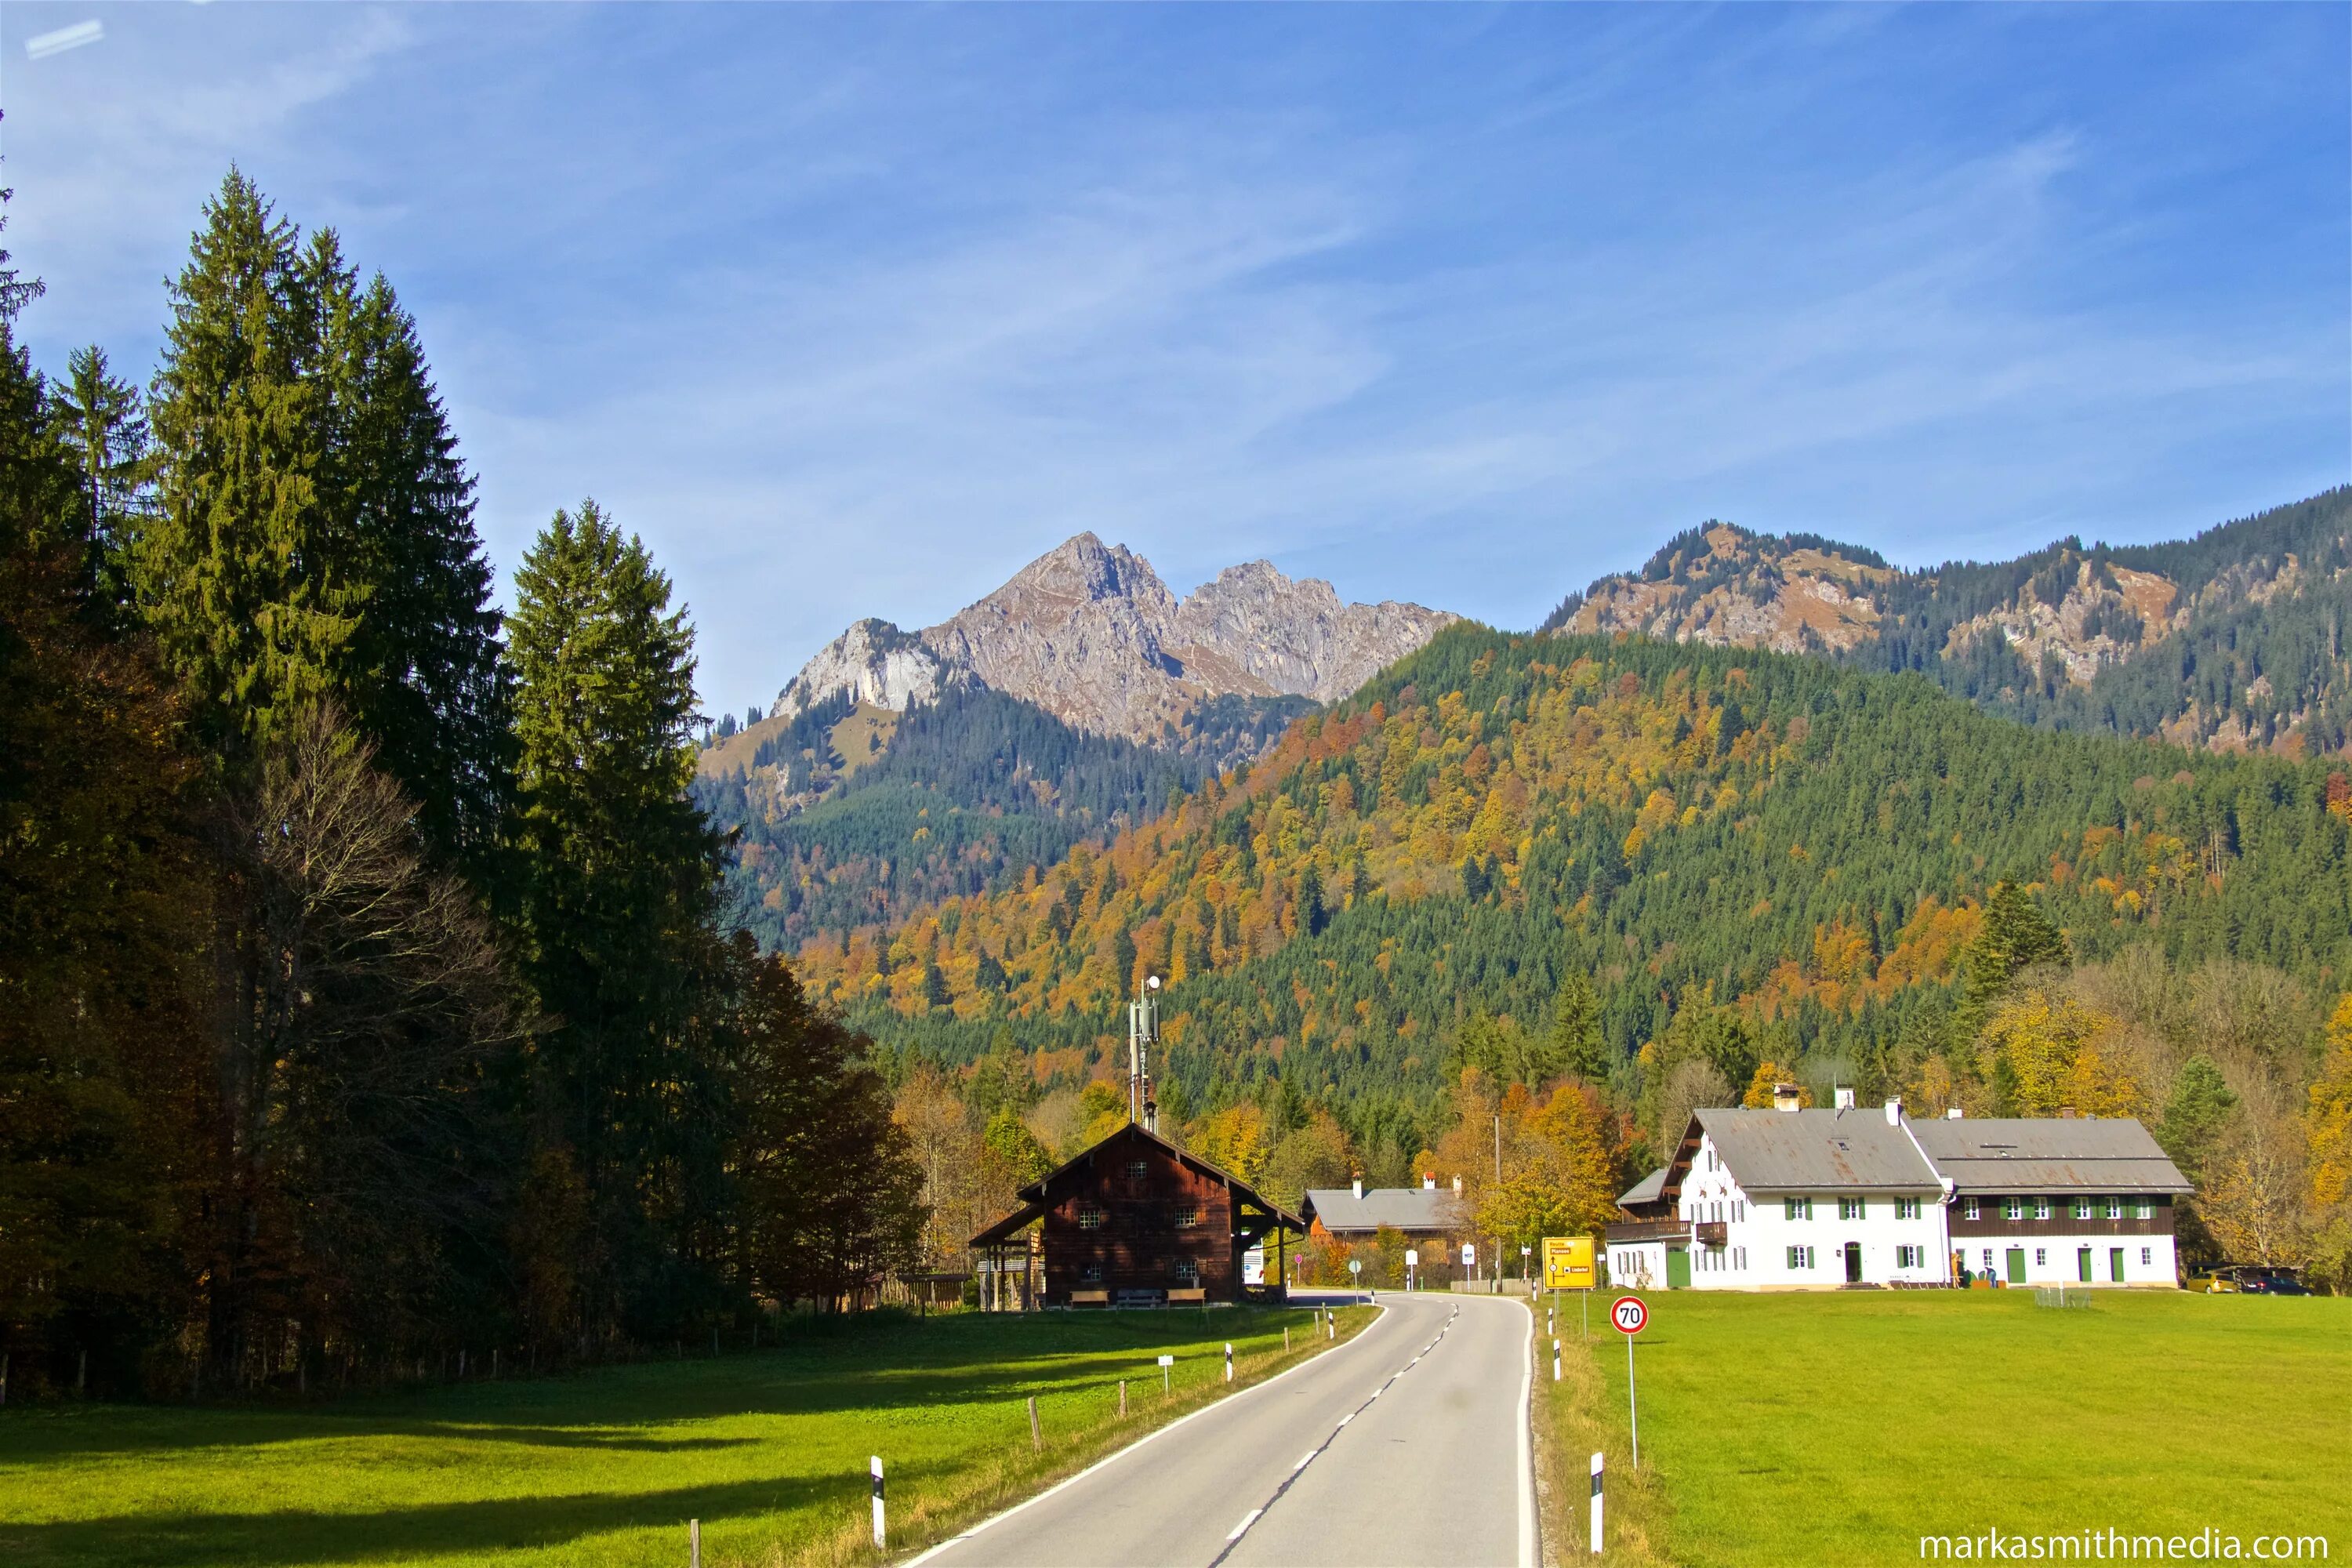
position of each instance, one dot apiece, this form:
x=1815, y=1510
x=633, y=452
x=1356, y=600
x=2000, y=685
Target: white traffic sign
x=1469, y=1256
x=1355, y=1266
x=1411, y=1257
x=1628, y=1314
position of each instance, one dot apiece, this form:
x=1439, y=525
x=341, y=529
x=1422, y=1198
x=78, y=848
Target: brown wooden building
x=1134, y=1221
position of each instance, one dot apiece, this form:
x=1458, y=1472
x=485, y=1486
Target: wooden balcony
x=1712, y=1232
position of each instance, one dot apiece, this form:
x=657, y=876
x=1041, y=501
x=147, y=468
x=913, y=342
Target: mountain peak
x=1091, y=634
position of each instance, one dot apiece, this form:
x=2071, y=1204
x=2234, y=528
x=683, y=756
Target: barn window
x=1185, y=1271
x=1090, y=1273
x=1090, y=1217
x=1188, y=1217
x=1136, y=1169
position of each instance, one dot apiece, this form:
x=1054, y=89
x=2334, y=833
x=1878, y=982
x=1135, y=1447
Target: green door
x=2017, y=1266
x=2115, y=1264
x=2083, y=1264
x=1678, y=1268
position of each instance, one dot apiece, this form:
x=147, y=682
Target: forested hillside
x=1688, y=826
x=967, y=788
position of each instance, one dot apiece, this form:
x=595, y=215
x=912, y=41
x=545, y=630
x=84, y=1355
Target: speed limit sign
x=1628, y=1314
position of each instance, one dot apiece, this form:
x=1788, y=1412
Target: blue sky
x=852, y=311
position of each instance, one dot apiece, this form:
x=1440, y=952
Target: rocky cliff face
x=1090, y=634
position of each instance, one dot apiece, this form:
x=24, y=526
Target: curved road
x=1408, y=1445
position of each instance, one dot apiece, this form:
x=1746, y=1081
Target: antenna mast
x=1142, y=1034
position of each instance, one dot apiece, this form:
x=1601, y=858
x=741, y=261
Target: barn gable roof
x=1036, y=1197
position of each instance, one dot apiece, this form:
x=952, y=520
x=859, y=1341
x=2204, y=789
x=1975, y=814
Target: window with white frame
x=1906, y=1208
x=2115, y=1209
x=1988, y=1259
x=2041, y=1256
x=2042, y=1208
x=1971, y=1210
x=1910, y=1257
x=2012, y=1208
x=1801, y=1258
x=2147, y=1255
x=1797, y=1208
x=1851, y=1208
x=1739, y=1259
x=1185, y=1271
x=1090, y=1217
x=2144, y=1209
x=2082, y=1208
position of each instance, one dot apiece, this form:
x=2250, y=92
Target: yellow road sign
x=1568, y=1263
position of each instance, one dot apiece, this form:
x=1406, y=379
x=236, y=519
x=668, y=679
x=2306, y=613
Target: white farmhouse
x=1792, y=1199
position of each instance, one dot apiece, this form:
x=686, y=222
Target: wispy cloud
x=852, y=311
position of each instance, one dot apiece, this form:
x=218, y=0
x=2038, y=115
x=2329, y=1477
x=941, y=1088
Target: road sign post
x=877, y=1500
x=1165, y=1363
x=1628, y=1314
x=1411, y=1264
x=1355, y=1272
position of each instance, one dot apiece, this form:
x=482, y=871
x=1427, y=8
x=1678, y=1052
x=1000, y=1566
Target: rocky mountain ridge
x=2229, y=640
x=1090, y=634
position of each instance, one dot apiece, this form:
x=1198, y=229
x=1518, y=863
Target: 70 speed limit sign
x=1628, y=1314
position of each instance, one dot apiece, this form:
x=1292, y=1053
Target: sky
x=852, y=310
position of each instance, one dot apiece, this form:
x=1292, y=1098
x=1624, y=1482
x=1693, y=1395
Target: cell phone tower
x=1142, y=1034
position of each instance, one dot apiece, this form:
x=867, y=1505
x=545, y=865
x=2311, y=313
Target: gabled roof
x=2088, y=1154
x=1650, y=1189
x=1035, y=1201
x=1815, y=1150
x=1399, y=1209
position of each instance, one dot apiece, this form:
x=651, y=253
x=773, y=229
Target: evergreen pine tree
x=254, y=603
x=1576, y=1044
x=104, y=429
x=615, y=883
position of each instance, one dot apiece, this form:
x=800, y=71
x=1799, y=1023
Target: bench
x=1089, y=1297
x=1196, y=1293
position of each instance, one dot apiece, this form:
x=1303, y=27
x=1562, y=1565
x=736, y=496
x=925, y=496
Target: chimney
x=1360, y=1185
x=2065, y=1113
x=1428, y=1181
x=1954, y=1114
x=1785, y=1097
x=1895, y=1113
x=1845, y=1099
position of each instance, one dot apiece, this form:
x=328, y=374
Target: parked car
x=2251, y=1280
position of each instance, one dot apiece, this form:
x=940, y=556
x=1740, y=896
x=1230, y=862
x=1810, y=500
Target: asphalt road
x=1406, y=1447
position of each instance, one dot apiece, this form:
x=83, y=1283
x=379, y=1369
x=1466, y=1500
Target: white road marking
x=1247, y=1520
x=1302, y=1461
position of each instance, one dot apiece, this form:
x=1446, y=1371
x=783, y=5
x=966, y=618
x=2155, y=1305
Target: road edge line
x=1527, y=1538
x=936, y=1548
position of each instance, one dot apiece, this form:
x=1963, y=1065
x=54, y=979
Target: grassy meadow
x=1840, y=1428
x=769, y=1449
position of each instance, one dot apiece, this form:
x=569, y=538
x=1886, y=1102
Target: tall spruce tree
x=103, y=427
x=253, y=599
x=616, y=880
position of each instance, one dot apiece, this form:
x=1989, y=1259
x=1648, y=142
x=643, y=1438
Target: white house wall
x=1759, y=1234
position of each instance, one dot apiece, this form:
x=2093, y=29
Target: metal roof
x=1422, y=1209
x=1825, y=1151
x=1648, y=1190
x=2089, y=1154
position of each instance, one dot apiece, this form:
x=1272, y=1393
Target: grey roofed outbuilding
x=1817, y=1151
x=1415, y=1210
x=2086, y=1154
x=1648, y=1190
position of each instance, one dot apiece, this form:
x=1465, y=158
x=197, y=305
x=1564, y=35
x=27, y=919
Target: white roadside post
x=1229, y=1361
x=1596, y=1505
x=694, y=1543
x=1411, y=1264
x=1555, y=1360
x=878, y=1531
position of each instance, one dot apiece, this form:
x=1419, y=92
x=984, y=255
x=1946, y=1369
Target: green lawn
x=768, y=1449
x=1840, y=1428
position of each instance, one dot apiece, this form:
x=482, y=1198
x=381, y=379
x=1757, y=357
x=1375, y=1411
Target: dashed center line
x=1304, y=1459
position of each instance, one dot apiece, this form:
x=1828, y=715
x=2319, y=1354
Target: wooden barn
x=1132, y=1222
